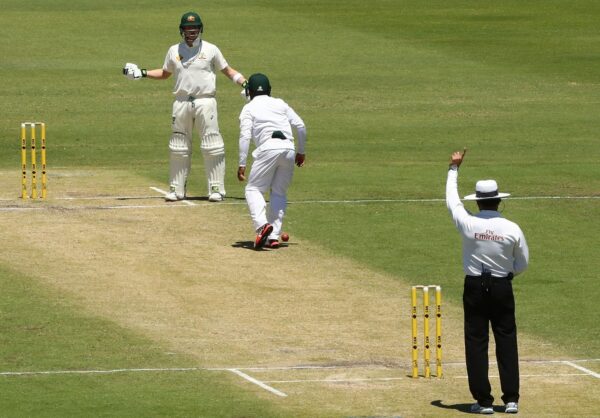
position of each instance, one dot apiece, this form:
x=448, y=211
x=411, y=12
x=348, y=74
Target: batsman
x=194, y=63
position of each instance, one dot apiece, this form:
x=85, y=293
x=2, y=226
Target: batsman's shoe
x=173, y=197
x=273, y=243
x=478, y=409
x=215, y=197
x=262, y=235
x=215, y=194
x=511, y=407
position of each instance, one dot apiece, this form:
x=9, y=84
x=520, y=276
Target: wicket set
x=426, y=334
x=32, y=138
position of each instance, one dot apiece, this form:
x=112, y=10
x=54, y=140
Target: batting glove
x=243, y=92
x=132, y=72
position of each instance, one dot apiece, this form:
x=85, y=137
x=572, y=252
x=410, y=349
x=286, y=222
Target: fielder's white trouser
x=202, y=113
x=272, y=170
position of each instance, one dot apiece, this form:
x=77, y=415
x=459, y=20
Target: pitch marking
x=390, y=379
x=583, y=369
x=187, y=202
x=258, y=382
x=264, y=384
x=110, y=371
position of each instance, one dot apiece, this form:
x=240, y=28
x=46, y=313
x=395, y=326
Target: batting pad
x=213, y=150
x=179, y=162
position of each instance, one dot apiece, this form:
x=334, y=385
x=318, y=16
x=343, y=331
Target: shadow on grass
x=249, y=245
x=461, y=407
x=205, y=198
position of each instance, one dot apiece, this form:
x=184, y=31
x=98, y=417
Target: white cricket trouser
x=272, y=171
x=202, y=112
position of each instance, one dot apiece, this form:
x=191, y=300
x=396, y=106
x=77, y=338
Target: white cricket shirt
x=194, y=69
x=260, y=118
x=489, y=241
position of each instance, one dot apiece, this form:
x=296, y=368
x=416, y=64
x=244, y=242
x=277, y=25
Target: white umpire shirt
x=264, y=115
x=194, y=68
x=490, y=241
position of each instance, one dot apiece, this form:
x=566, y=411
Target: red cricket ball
x=285, y=237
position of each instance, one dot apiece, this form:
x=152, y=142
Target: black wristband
x=144, y=72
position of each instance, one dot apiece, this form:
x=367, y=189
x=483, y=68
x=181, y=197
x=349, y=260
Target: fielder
x=194, y=62
x=268, y=121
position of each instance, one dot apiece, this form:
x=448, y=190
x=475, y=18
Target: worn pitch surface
x=185, y=276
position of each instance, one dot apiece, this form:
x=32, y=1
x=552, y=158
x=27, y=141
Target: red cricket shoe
x=261, y=235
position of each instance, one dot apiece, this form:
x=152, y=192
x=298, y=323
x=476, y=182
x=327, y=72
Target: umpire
x=494, y=251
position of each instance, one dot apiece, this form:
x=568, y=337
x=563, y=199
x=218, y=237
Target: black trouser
x=490, y=300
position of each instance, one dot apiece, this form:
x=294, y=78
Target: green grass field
x=41, y=332
x=388, y=89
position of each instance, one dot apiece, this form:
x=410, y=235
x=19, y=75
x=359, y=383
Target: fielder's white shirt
x=490, y=242
x=194, y=69
x=260, y=118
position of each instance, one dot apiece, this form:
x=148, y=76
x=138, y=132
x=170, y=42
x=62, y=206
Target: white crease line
x=584, y=360
x=389, y=379
x=19, y=209
x=366, y=379
x=52, y=372
x=571, y=363
x=258, y=382
x=138, y=206
x=551, y=197
x=533, y=375
x=187, y=202
x=583, y=369
x=434, y=200
x=268, y=369
x=109, y=198
x=81, y=208
x=586, y=372
x=383, y=367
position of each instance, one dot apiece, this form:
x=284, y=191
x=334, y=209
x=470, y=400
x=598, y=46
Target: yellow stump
x=43, y=142
x=438, y=330
x=33, y=138
x=426, y=346
x=415, y=348
x=23, y=161
x=33, y=164
x=426, y=331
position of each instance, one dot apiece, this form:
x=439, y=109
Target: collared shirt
x=490, y=242
x=264, y=115
x=194, y=68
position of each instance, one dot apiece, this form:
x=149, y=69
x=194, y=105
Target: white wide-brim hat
x=486, y=189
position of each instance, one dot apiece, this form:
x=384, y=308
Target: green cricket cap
x=190, y=19
x=258, y=84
